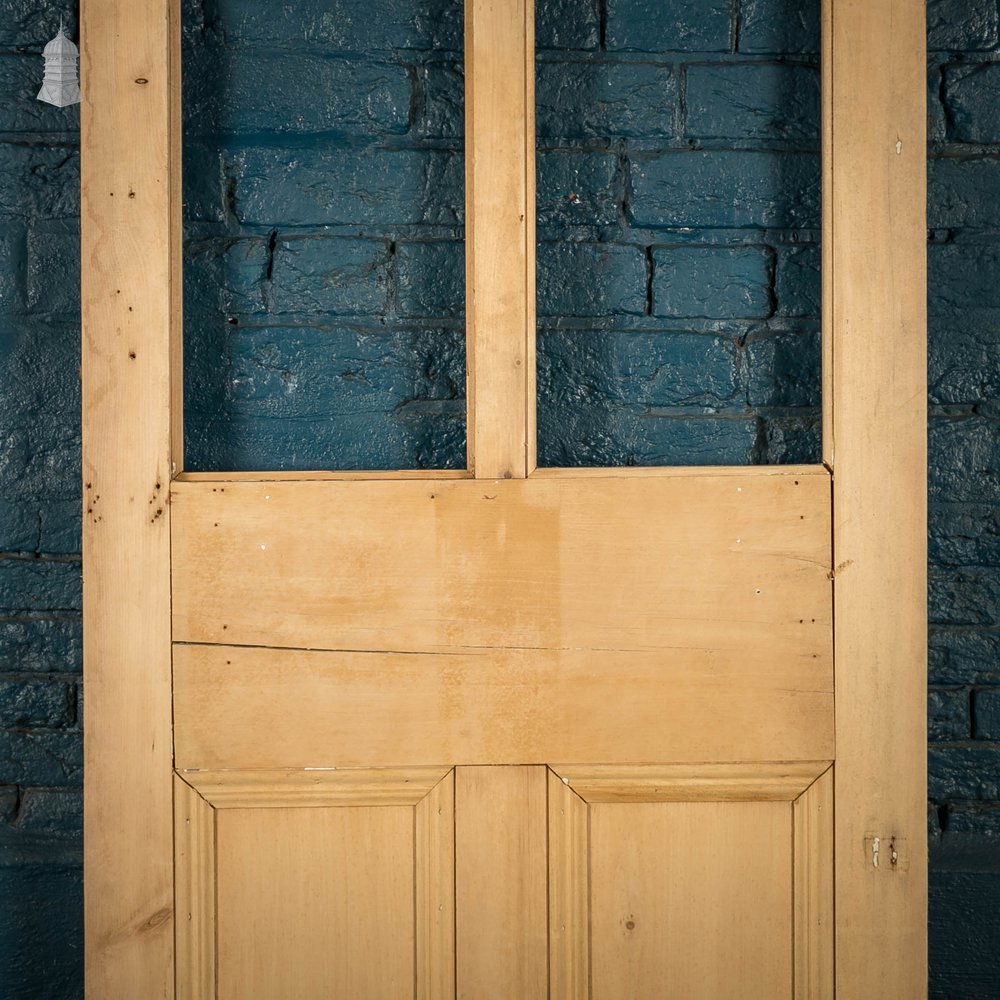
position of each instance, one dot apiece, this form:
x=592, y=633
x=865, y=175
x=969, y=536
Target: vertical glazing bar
x=500, y=236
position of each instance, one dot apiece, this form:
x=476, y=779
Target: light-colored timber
x=876, y=289
x=500, y=236
x=812, y=814
x=129, y=294
x=738, y=564
x=194, y=849
x=324, y=709
x=377, y=475
x=694, y=894
x=500, y=882
x=434, y=860
x=248, y=788
x=569, y=893
x=753, y=782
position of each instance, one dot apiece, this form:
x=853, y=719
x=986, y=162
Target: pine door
x=511, y=733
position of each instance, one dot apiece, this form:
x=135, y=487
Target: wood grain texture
x=735, y=565
x=323, y=709
x=272, y=789
x=500, y=235
x=500, y=879
x=569, y=893
x=697, y=895
x=757, y=781
x=876, y=282
x=316, y=903
x=434, y=858
x=812, y=826
x=194, y=865
x=129, y=284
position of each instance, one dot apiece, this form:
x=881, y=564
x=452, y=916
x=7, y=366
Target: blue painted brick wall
x=678, y=314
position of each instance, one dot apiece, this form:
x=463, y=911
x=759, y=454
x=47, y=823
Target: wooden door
x=511, y=732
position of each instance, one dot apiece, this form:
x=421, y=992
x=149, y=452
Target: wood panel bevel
x=327, y=709
x=314, y=787
x=757, y=781
x=726, y=564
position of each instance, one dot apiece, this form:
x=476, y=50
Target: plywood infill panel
x=734, y=565
x=130, y=279
x=326, y=709
x=875, y=285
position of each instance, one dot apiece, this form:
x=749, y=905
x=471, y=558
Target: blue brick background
x=678, y=323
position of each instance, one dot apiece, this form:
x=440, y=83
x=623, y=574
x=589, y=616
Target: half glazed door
x=510, y=733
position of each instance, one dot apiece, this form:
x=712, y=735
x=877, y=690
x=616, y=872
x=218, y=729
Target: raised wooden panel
x=733, y=566
x=699, y=885
x=316, y=903
x=694, y=894
x=500, y=878
x=496, y=707
x=286, y=893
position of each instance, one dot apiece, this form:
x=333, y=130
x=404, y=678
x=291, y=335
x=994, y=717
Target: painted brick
x=20, y=79
x=787, y=440
x=987, y=714
x=964, y=535
x=591, y=279
x=726, y=189
x=226, y=275
x=964, y=928
x=963, y=360
x=964, y=772
x=8, y=803
x=440, y=111
x=779, y=26
x=41, y=932
x=955, y=192
x=567, y=24
x=948, y=714
x=578, y=189
x=980, y=820
x=56, y=811
x=344, y=25
x=40, y=182
x=318, y=186
x=409, y=437
x=683, y=26
x=36, y=703
x=431, y=279
x=972, y=92
x=12, y=268
x=28, y=24
x=39, y=362
x=282, y=92
x=613, y=435
x=209, y=182
x=39, y=457
x=41, y=525
x=964, y=656
x=964, y=465
x=714, y=282
x=797, y=281
x=964, y=597
x=588, y=100
x=49, y=758
x=783, y=370
x=581, y=369
x=937, y=121
x=41, y=645
x=961, y=25
x=30, y=585
x=345, y=277
x=54, y=248
x=753, y=101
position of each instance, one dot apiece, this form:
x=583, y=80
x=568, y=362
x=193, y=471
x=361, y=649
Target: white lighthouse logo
x=60, y=85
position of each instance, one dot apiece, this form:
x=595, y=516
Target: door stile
x=500, y=243
x=129, y=294
x=875, y=285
